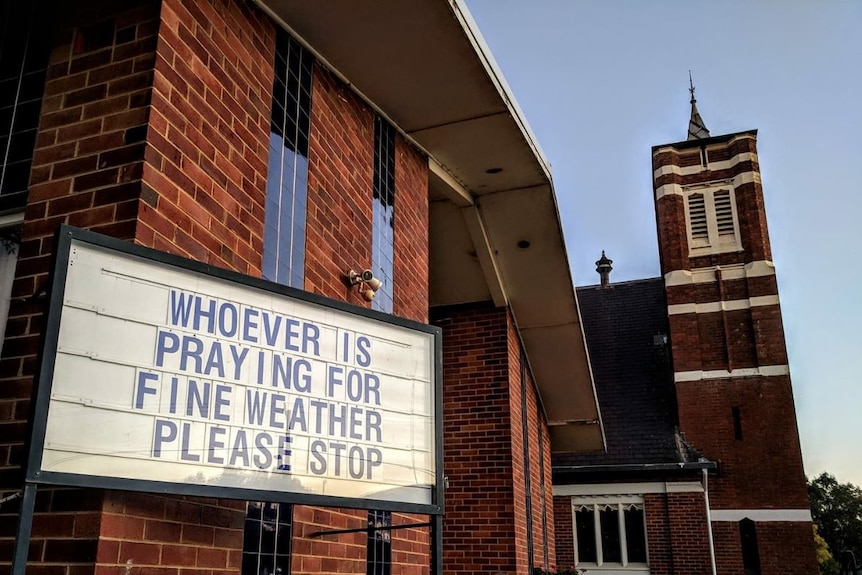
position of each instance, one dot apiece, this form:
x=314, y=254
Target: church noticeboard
x=161, y=374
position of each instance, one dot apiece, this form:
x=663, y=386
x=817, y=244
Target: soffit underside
x=429, y=73
x=418, y=65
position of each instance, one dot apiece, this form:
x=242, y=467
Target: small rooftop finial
x=696, y=128
x=691, y=88
x=603, y=266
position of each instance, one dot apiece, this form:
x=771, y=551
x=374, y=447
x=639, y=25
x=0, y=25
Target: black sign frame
x=67, y=235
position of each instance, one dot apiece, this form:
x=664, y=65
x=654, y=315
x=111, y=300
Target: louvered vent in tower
x=723, y=213
x=697, y=217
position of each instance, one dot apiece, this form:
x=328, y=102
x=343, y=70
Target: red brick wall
x=347, y=553
x=87, y=162
x=673, y=237
x=728, y=551
x=205, y=171
x=730, y=289
x=159, y=534
x=764, y=469
x=564, y=533
x=728, y=340
x=688, y=533
x=689, y=158
x=64, y=539
x=410, y=547
x=485, y=527
x=712, y=337
x=520, y=464
x=411, y=232
x=535, y=424
x=769, y=335
x=752, y=221
x=86, y=171
x=741, y=337
x=549, y=506
x=478, y=529
x=656, y=515
x=784, y=547
x=706, y=174
x=327, y=554
x=540, y=469
x=340, y=179
x=518, y=461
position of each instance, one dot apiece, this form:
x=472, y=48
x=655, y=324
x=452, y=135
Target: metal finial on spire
x=696, y=128
x=691, y=87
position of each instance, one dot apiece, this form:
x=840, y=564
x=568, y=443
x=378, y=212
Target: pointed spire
x=696, y=127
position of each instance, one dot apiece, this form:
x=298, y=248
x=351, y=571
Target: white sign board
x=170, y=375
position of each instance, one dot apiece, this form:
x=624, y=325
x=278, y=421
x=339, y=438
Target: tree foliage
x=837, y=512
x=828, y=564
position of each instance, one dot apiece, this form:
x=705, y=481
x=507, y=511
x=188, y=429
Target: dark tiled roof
x=626, y=328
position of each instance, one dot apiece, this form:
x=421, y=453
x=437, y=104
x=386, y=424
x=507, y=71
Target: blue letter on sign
x=142, y=388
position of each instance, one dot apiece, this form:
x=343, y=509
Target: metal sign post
x=25, y=526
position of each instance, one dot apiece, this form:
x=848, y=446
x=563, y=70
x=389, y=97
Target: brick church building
x=287, y=167
x=703, y=470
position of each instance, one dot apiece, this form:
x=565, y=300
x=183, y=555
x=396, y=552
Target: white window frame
x=715, y=243
x=599, y=503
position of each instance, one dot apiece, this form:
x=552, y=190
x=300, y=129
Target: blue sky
x=601, y=82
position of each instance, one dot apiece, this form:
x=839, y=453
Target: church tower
x=729, y=357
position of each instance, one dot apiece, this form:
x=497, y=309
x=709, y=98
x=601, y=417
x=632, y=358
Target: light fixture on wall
x=365, y=283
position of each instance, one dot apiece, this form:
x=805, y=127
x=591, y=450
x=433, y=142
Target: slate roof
x=626, y=328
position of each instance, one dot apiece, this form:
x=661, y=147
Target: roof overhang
x=579, y=475
x=495, y=225
x=701, y=142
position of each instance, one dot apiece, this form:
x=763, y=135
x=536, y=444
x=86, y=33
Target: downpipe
x=709, y=522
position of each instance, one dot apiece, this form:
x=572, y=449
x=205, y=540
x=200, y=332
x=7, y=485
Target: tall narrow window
x=737, y=422
x=23, y=61
x=585, y=533
x=379, y=557
x=750, y=551
x=610, y=532
x=266, y=539
x=9, y=242
x=287, y=172
x=383, y=222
